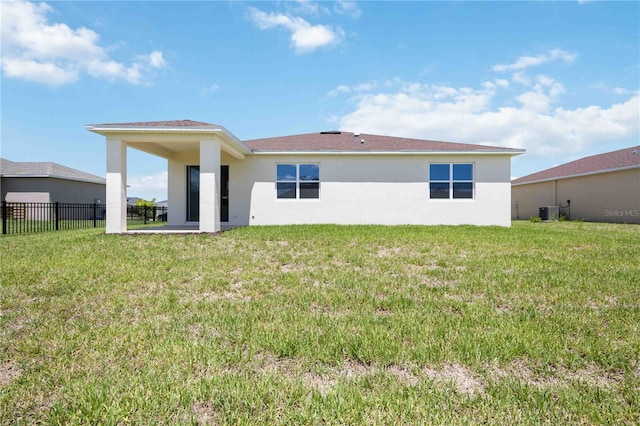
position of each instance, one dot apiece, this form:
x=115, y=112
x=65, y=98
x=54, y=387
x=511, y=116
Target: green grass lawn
x=536, y=324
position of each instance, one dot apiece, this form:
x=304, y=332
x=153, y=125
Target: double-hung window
x=450, y=181
x=297, y=181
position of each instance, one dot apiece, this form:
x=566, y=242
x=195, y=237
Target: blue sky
x=560, y=79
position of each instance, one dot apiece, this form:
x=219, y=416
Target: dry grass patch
x=9, y=372
x=327, y=377
x=198, y=332
x=388, y=252
x=204, y=413
x=463, y=380
x=556, y=376
x=323, y=379
x=328, y=311
x=432, y=282
x=404, y=374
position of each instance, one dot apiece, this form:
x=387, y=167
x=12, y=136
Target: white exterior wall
x=370, y=189
x=358, y=189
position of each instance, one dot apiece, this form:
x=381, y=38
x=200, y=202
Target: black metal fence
x=147, y=213
x=20, y=218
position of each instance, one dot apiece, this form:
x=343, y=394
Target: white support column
x=209, y=185
x=116, y=186
x=177, y=192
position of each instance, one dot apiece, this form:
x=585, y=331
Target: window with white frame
x=297, y=181
x=450, y=181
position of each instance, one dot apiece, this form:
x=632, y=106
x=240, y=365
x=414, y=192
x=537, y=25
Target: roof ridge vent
x=331, y=132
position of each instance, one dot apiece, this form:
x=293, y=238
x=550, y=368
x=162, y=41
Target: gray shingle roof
x=335, y=141
x=45, y=169
x=614, y=160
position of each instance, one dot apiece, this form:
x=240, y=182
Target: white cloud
x=148, y=186
x=156, y=60
x=541, y=95
x=621, y=91
x=306, y=7
x=338, y=90
x=362, y=87
x=521, y=78
x=496, y=83
x=55, y=54
x=46, y=73
x=525, y=115
x=210, y=89
x=525, y=62
x=305, y=37
x=344, y=7
x=615, y=90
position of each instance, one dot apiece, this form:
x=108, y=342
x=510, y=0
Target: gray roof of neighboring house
x=45, y=169
x=609, y=161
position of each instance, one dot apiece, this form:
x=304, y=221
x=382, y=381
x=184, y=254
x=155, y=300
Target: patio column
x=209, y=185
x=116, y=186
x=176, y=192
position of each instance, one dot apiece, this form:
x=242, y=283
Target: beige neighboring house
x=46, y=182
x=334, y=177
x=599, y=188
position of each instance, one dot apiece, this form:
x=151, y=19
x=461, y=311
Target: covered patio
x=177, y=141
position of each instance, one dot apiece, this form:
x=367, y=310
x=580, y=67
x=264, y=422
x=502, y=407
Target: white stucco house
x=215, y=180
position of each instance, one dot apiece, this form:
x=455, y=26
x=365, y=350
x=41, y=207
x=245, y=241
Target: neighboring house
x=326, y=177
x=49, y=182
x=600, y=188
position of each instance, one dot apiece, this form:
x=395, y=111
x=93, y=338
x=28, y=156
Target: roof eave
x=110, y=130
x=394, y=152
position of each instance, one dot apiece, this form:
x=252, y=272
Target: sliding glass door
x=193, y=193
x=224, y=193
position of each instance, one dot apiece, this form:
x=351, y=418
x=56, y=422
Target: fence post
x=4, y=217
x=57, y=214
x=145, y=214
x=95, y=214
